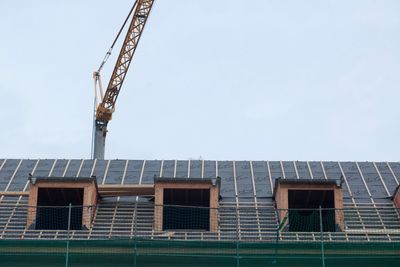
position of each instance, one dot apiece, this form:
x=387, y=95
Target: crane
x=105, y=102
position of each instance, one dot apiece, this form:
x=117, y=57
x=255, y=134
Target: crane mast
x=106, y=106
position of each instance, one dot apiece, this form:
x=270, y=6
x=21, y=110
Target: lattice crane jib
x=106, y=105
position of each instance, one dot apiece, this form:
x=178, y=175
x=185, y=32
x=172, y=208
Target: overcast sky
x=225, y=79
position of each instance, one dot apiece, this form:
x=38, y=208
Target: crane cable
x=96, y=75
x=108, y=54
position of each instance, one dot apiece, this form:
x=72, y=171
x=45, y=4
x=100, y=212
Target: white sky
x=226, y=79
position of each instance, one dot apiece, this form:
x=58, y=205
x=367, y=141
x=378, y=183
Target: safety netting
x=151, y=252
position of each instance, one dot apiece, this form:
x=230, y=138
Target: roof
x=212, y=181
x=246, y=191
x=308, y=181
x=35, y=179
x=362, y=181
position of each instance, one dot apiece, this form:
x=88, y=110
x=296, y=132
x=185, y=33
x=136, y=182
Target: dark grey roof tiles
x=364, y=182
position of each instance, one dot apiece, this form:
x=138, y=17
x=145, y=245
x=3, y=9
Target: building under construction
x=198, y=212
x=97, y=212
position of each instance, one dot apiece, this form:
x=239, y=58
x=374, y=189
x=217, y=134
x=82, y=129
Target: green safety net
x=310, y=220
x=148, y=252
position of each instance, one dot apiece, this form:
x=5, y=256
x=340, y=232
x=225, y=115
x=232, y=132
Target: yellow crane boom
x=104, y=110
